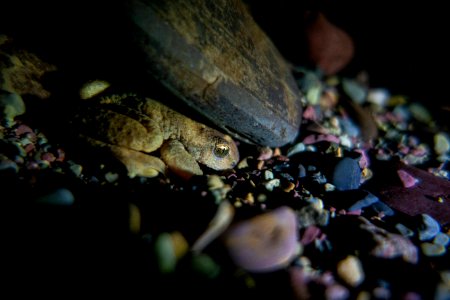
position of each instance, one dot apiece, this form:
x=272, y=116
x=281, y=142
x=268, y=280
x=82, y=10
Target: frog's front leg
x=179, y=160
x=136, y=163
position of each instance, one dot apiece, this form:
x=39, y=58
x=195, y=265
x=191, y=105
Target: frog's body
x=130, y=127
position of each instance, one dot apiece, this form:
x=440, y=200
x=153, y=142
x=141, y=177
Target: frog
x=149, y=137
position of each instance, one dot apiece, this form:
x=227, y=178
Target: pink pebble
x=265, y=242
x=407, y=180
x=310, y=113
x=310, y=234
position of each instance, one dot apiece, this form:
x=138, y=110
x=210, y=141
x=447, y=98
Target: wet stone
x=431, y=249
x=60, y=197
x=346, y=174
x=428, y=227
x=441, y=239
x=263, y=243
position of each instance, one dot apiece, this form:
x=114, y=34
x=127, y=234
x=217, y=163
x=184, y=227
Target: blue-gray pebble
x=346, y=174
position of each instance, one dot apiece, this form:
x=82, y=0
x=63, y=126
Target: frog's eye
x=221, y=150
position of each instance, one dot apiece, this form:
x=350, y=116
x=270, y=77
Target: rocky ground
x=356, y=208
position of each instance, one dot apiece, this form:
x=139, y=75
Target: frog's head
x=220, y=152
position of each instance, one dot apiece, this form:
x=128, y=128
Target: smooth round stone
x=350, y=270
x=430, y=249
x=429, y=228
x=264, y=243
x=346, y=174
x=62, y=197
x=441, y=239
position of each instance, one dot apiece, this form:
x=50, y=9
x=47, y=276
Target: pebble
x=431, y=249
x=76, y=169
x=264, y=243
x=310, y=234
x=336, y=292
x=346, y=174
x=378, y=96
x=165, y=253
x=441, y=239
x=111, y=177
x=428, y=227
x=204, y=265
x=441, y=143
x=271, y=184
x=59, y=197
x=11, y=106
x=350, y=270
x=355, y=90
x=407, y=179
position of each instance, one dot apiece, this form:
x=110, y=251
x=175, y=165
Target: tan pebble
x=249, y=198
x=134, y=218
x=329, y=187
x=260, y=165
x=265, y=153
x=243, y=163
x=350, y=270
x=92, y=88
x=215, y=182
x=289, y=187
x=179, y=244
x=277, y=152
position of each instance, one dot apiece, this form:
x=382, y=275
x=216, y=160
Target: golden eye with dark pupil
x=221, y=150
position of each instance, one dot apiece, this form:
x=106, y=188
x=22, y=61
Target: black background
x=401, y=44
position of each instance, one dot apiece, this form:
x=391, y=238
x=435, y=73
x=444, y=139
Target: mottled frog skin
x=132, y=127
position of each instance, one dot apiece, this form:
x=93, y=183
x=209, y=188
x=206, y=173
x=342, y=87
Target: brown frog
x=132, y=127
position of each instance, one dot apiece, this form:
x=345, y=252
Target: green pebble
x=111, y=177
x=441, y=143
x=430, y=249
x=205, y=265
x=11, y=105
x=76, y=169
x=165, y=254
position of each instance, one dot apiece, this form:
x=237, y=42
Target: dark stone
x=419, y=199
x=346, y=174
